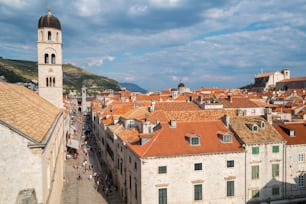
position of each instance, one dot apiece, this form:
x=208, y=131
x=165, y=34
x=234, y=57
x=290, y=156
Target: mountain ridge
x=73, y=77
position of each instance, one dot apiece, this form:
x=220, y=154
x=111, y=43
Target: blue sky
x=158, y=43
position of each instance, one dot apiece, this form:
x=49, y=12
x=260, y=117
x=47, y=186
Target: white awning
x=73, y=143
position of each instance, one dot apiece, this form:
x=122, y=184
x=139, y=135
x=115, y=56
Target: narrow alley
x=84, y=178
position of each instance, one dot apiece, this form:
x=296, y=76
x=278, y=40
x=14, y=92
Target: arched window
x=49, y=35
x=53, y=81
x=50, y=81
x=46, y=58
x=47, y=82
x=41, y=35
x=57, y=36
x=53, y=58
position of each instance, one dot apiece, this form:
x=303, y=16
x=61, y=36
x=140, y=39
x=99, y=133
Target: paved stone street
x=84, y=190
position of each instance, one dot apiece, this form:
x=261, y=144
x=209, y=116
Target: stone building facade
x=267, y=81
x=31, y=145
x=49, y=56
x=151, y=159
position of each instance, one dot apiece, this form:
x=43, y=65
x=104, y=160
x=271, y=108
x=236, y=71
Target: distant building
x=182, y=88
x=267, y=81
x=293, y=83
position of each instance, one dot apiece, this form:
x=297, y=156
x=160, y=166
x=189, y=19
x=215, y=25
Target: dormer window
x=254, y=128
x=195, y=140
x=292, y=133
x=227, y=138
x=131, y=124
x=173, y=123
x=262, y=124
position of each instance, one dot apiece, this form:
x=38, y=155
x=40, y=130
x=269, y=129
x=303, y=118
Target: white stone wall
x=54, y=46
x=20, y=167
x=53, y=165
x=295, y=168
x=254, y=111
x=181, y=178
x=275, y=77
x=264, y=160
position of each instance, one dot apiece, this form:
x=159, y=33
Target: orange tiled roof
x=199, y=115
x=281, y=110
x=299, y=132
x=137, y=113
x=238, y=102
x=24, y=110
x=176, y=106
x=173, y=141
x=293, y=79
x=241, y=125
x=264, y=75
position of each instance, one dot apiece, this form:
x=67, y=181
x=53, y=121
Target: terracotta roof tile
x=26, y=111
x=199, y=115
x=176, y=106
x=299, y=132
x=238, y=102
x=242, y=127
x=264, y=74
x=293, y=79
x=173, y=141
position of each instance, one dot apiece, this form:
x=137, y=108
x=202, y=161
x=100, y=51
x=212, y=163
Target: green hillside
x=74, y=77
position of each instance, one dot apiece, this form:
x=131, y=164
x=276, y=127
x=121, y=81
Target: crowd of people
x=88, y=167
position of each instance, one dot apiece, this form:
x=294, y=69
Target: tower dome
x=49, y=21
x=181, y=85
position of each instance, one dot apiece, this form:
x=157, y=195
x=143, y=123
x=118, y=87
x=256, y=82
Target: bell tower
x=49, y=53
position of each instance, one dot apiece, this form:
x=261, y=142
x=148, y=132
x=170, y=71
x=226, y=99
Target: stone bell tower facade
x=49, y=53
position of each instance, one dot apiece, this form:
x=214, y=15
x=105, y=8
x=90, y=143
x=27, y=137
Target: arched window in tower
x=41, y=36
x=47, y=82
x=53, y=81
x=53, y=58
x=50, y=82
x=49, y=35
x=46, y=58
x=57, y=37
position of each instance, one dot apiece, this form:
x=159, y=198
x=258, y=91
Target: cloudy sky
x=158, y=43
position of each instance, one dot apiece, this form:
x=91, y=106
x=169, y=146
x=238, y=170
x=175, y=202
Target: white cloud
x=18, y=4
x=96, y=62
x=137, y=10
x=218, y=42
x=87, y=7
x=164, y=3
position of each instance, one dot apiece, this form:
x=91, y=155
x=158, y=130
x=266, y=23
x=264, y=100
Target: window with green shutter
x=162, y=169
x=230, y=163
x=162, y=196
x=197, y=166
x=255, y=172
x=275, y=190
x=275, y=170
x=230, y=188
x=255, y=150
x=275, y=149
x=255, y=193
x=198, y=192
